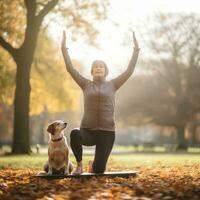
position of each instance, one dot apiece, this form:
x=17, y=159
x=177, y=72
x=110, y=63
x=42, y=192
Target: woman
x=98, y=122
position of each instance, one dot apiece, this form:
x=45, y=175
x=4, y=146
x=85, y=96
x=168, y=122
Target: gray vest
x=99, y=95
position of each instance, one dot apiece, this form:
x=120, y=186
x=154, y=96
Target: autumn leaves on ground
x=156, y=180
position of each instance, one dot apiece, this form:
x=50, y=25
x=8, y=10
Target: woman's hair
x=104, y=64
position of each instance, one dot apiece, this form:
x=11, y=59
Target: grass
x=116, y=161
x=140, y=148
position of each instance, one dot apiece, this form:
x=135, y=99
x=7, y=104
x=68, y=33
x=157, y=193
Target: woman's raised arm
x=122, y=78
x=80, y=80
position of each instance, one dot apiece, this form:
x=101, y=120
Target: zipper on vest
x=98, y=111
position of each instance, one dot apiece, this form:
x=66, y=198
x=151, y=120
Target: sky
x=116, y=41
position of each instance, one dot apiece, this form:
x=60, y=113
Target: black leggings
x=103, y=140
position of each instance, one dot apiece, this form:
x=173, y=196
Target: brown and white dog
x=58, y=150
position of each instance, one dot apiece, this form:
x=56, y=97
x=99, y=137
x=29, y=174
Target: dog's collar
x=56, y=140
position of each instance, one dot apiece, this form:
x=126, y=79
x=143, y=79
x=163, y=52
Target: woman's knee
x=74, y=134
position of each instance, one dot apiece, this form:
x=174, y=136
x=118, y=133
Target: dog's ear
x=51, y=128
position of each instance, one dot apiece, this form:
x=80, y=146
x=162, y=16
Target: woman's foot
x=90, y=170
x=79, y=168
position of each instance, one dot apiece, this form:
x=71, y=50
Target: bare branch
x=7, y=46
x=47, y=8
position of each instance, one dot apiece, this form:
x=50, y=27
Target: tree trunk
x=21, y=140
x=41, y=136
x=194, y=136
x=182, y=144
x=43, y=117
x=23, y=59
x=192, y=131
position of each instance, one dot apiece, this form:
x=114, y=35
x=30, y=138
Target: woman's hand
x=136, y=46
x=63, y=44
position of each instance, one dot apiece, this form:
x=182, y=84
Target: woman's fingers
x=64, y=38
x=64, y=34
x=135, y=40
x=133, y=35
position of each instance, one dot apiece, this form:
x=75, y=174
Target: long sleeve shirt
x=99, y=95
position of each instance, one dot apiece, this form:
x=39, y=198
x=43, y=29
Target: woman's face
x=98, y=69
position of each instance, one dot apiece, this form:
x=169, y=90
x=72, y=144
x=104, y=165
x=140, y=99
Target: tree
x=24, y=53
x=178, y=47
x=171, y=96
